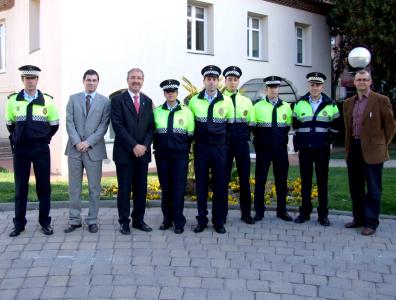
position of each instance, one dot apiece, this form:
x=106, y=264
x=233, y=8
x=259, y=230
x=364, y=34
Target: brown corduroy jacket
x=378, y=127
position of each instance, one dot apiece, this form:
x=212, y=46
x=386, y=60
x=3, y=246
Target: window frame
x=3, y=46
x=193, y=21
x=250, y=31
x=303, y=41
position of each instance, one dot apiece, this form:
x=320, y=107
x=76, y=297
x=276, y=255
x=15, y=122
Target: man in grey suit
x=87, y=120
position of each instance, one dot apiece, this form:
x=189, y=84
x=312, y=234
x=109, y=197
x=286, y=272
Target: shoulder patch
x=48, y=95
x=10, y=95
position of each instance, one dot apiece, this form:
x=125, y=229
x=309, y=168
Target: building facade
x=167, y=39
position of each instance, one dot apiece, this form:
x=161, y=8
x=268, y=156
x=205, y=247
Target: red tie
x=136, y=102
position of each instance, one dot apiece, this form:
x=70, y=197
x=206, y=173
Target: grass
x=339, y=198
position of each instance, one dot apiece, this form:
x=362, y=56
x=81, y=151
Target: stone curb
x=157, y=203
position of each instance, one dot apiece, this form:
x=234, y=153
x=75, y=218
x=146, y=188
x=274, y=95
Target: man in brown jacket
x=369, y=128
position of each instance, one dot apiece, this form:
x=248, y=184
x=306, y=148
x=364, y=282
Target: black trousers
x=365, y=206
x=241, y=152
x=24, y=156
x=280, y=163
x=131, y=177
x=213, y=158
x=172, y=174
x=319, y=157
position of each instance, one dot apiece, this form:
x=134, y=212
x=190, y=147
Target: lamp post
x=359, y=58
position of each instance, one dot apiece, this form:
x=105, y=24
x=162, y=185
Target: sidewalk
x=268, y=260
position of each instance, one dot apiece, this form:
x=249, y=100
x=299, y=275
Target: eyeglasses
x=362, y=80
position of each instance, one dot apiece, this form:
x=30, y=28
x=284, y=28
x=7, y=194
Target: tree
x=370, y=24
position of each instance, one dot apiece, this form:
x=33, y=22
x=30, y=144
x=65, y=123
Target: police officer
x=212, y=112
x=32, y=120
x=273, y=118
x=174, y=129
x=315, y=120
x=239, y=138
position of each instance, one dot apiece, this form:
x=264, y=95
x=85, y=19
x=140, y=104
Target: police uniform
x=238, y=148
x=210, y=150
x=31, y=121
x=273, y=118
x=174, y=128
x=314, y=125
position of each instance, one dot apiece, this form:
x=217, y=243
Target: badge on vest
x=221, y=111
x=245, y=113
x=181, y=122
x=44, y=111
x=325, y=113
x=284, y=116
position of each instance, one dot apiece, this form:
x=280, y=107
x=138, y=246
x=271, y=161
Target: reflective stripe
x=267, y=124
x=323, y=119
x=306, y=119
x=20, y=118
x=336, y=115
x=252, y=123
x=320, y=129
x=317, y=129
x=201, y=119
x=9, y=122
x=175, y=130
x=334, y=130
x=161, y=130
x=39, y=118
x=179, y=130
x=218, y=120
x=241, y=120
x=53, y=123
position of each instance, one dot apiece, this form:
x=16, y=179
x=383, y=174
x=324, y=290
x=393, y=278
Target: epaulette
x=48, y=95
x=10, y=95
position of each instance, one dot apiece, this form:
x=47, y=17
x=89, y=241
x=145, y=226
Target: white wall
x=112, y=37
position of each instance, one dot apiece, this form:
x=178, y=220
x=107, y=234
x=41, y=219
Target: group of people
x=219, y=124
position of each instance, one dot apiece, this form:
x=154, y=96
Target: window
x=197, y=28
x=300, y=44
x=303, y=44
x=34, y=25
x=257, y=36
x=2, y=46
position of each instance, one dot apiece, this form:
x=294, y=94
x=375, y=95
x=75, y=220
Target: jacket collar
x=39, y=100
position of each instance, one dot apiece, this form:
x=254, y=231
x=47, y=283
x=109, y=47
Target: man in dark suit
x=369, y=128
x=133, y=123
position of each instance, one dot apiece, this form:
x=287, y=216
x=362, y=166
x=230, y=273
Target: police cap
x=316, y=77
x=211, y=70
x=232, y=71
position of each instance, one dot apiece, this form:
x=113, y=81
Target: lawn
x=338, y=188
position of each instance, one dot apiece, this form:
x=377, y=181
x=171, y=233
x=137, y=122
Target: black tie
x=88, y=102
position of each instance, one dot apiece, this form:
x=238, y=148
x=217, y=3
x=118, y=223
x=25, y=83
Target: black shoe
x=165, y=226
x=199, y=228
x=284, y=216
x=47, y=230
x=248, y=220
x=93, y=228
x=15, y=232
x=324, y=221
x=179, y=230
x=71, y=228
x=258, y=217
x=124, y=229
x=220, y=229
x=142, y=226
x=301, y=219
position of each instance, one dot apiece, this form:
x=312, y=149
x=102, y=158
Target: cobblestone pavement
x=269, y=260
